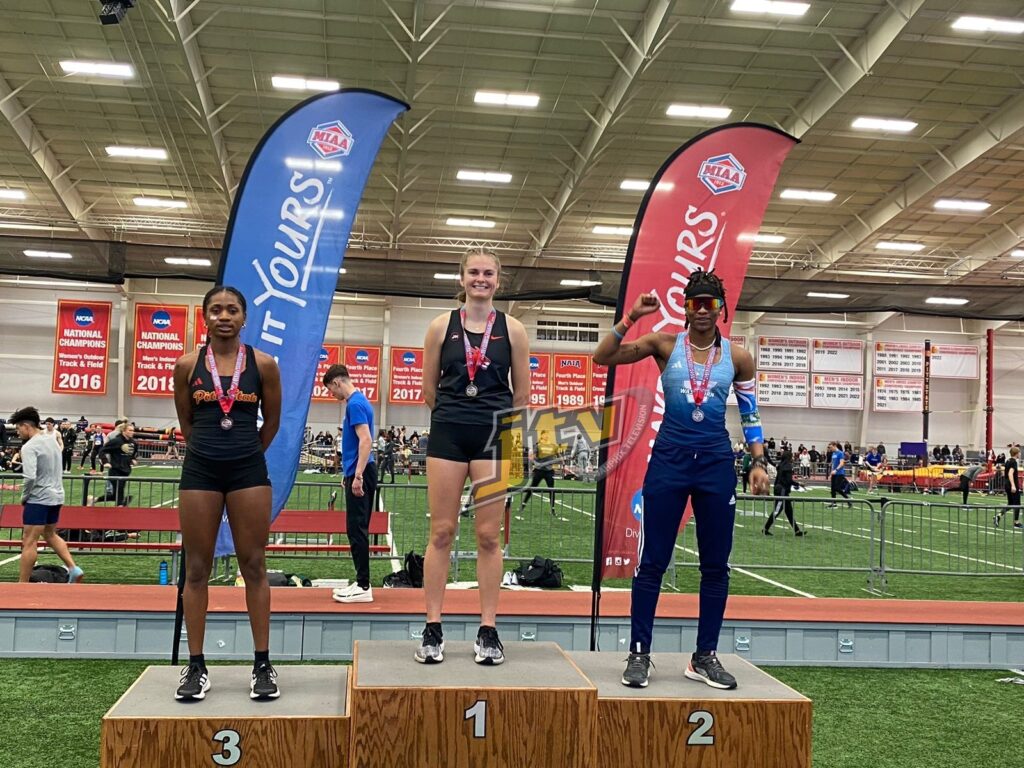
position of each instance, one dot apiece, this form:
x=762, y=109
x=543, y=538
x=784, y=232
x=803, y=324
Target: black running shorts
x=459, y=442
x=199, y=473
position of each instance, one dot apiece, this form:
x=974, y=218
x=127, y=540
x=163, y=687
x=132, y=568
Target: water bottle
x=163, y=573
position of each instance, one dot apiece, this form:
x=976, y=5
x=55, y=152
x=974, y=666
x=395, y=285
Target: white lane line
x=951, y=533
x=10, y=559
x=575, y=509
x=753, y=575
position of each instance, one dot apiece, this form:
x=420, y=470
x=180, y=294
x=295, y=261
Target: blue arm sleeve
x=750, y=419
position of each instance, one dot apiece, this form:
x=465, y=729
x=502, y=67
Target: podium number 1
x=230, y=753
x=704, y=721
x=478, y=714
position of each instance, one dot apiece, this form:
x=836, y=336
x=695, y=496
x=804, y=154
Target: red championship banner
x=406, y=378
x=80, y=349
x=570, y=377
x=161, y=335
x=199, y=329
x=363, y=363
x=540, y=380
x=702, y=209
x=330, y=354
x=598, y=383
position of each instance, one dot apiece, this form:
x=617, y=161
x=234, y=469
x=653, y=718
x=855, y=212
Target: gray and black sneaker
x=195, y=682
x=488, y=647
x=708, y=669
x=638, y=670
x=263, y=684
x=431, y=650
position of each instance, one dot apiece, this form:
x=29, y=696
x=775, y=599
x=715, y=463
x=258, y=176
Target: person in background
x=51, y=431
x=68, y=436
x=82, y=424
x=545, y=455
x=783, y=486
x=42, y=495
x=118, y=457
x=386, y=457
x=745, y=466
x=958, y=454
x=1011, y=470
x=360, y=479
x=966, y=478
x=93, y=446
x=805, y=462
x=873, y=464
x=837, y=475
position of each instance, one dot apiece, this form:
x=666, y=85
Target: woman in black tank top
x=466, y=390
x=224, y=467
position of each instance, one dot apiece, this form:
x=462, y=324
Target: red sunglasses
x=709, y=303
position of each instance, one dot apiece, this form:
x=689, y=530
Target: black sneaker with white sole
x=194, y=683
x=263, y=684
x=708, y=669
x=638, y=670
x=488, y=647
x=431, y=650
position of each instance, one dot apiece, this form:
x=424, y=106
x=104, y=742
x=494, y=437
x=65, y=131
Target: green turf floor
x=863, y=718
x=834, y=559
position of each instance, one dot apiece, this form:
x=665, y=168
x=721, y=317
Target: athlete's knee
x=197, y=573
x=253, y=565
x=488, y=542
x=442, y=535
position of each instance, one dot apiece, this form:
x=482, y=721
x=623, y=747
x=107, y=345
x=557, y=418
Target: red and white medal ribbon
x=226, y=402
x=698, y=391
x=476, y=357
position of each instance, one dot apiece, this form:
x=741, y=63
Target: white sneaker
x=353, y=594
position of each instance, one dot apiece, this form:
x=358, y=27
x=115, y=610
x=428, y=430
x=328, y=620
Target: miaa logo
x=331, y=139
x=722, y=173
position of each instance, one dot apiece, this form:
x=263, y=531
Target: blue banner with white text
x=285, y=243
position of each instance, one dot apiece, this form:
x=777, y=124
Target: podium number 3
x=704, y=721
x=230, y=753
x=478, y=714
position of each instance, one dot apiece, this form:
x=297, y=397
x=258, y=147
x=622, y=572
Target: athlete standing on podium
x=219, y=390
x=470, y=356
x=692, y=460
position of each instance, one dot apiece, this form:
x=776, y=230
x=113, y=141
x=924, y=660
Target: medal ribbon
x=476, y=357
x=227, y=402
x=701, y=391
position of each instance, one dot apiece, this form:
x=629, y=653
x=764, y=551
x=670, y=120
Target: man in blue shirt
x=873, y=462
x=837, y=474
x=360, y=478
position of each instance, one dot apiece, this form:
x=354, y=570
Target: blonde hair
x=461, y=295
x=1015, y=451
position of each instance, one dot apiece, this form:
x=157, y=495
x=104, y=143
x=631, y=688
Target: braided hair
x=701, y=283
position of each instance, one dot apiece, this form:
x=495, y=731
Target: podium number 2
x=478, y=714
x=704, y=721
x=230, y=754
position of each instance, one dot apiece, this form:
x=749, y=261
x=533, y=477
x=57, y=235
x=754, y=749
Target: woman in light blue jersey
x=692, y=460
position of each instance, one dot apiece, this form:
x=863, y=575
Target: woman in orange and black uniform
x=224, y=466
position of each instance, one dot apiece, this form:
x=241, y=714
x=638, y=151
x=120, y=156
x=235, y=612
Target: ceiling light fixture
x=986, y=24
x=880, y=124
x=12, y=194
x=580, y=283
x=696, y=110
x=98, y=68
x=1017, y=253
x=819, y=295
x=47, y=254
x=503, y=99
x=634, y=185
x=773, y=7
x=943, y=300
x=446, y=276
x=885, y=245
x=288, y=83
x=144, y=153
x=815, y=195
x=38, y=227
x=603, y=229
x=961, y=205
x=491, y=177
x=159, y=202
x=342, y=271
x=747, y=237
x=471, y=223
x=178, y=261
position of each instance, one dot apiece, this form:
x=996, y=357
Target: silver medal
x=472, y=390
x=697, y=415
x=226, y=423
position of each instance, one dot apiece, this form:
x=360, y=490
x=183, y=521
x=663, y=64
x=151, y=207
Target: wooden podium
x=534, y=710
x=307, y=726
x=681, y=723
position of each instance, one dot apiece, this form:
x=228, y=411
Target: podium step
x=680, y=723
x=534, y=710
x=309, y=723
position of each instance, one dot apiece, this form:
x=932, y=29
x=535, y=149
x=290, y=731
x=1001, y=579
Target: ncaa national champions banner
x=330, y=354
x=160, y=338
x=286, y=240
x=81, y=348
x=702, y=209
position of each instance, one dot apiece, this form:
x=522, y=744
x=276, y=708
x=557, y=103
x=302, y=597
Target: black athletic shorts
x=199, y=473
x=458, y=442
